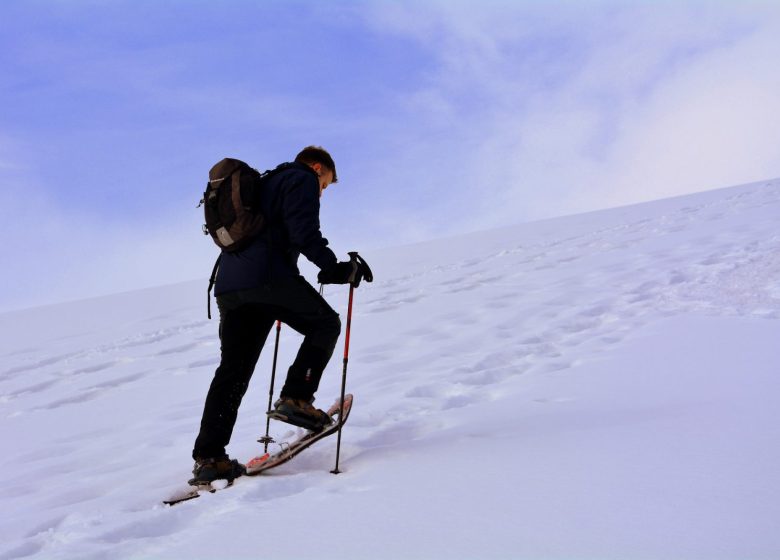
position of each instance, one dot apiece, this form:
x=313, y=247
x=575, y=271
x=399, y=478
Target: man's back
x=290, y=200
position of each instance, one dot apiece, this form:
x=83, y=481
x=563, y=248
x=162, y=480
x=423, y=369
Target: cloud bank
x=553, y=109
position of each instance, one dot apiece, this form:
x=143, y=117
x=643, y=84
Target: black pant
x=246, y=318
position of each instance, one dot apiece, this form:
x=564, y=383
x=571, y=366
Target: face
x=325, y=176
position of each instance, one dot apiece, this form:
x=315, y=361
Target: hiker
x=260, y=284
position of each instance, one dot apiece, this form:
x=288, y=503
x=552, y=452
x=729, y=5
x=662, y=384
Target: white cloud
x=714, y=125
x=554, y=109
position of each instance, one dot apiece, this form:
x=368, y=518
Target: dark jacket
x=290, y=200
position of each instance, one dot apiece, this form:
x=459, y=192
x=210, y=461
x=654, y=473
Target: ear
x=316, y=167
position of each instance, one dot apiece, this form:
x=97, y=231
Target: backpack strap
x=212, y=281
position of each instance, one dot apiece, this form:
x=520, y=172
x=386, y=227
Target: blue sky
x=443, y=117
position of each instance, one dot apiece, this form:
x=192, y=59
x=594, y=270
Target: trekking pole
x=344, y=377
x=267, y=438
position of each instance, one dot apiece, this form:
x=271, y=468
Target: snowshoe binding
x=208, y=470
x=301, y=413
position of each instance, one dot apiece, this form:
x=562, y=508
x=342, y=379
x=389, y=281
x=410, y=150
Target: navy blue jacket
x=290, y=201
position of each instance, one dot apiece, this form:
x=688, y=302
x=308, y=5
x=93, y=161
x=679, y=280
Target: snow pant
x=246, y=318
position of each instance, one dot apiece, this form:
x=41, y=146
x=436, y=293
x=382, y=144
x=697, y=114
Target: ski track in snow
x=447, y=336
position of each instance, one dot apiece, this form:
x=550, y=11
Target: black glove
x=339, y=273
x=347, y=272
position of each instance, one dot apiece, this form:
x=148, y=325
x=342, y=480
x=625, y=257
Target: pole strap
x=212, y=281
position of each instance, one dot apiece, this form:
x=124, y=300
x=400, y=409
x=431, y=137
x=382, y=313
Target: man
x=261, y=284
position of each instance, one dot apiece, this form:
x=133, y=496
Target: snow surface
x=596, y=386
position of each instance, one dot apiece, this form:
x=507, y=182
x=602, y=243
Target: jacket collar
x=296, y=165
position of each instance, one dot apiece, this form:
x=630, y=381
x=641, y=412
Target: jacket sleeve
x=301, y=214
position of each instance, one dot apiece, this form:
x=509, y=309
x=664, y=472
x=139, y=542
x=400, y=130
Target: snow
x=595, y=386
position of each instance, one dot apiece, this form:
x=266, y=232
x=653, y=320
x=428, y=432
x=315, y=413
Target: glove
x=347, y=272
x=339, y=273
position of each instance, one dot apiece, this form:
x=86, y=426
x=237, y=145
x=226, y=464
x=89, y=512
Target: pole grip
x=349, y=323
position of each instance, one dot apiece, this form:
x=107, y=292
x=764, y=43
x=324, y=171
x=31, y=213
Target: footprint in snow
x=47, y=453
x=283, y=487
x=179, y=349
x=93, y=392
x=39, y=364
x=209, y=362
x=98, y=367
x=31, y=389
x=160, y=523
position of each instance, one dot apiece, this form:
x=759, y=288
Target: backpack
x=230, y=204
x=231, y=208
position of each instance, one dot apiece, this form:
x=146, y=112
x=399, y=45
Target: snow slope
x=596, y=386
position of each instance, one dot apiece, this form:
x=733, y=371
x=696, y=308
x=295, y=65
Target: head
x=322, y=164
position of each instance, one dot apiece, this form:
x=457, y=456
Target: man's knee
x=335, y=325
x=327, y=332
x=332, y=326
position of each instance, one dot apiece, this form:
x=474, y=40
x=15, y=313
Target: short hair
x=317, y=154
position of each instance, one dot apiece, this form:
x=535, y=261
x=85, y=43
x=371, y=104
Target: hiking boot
x=301, y=413
x=207, y=470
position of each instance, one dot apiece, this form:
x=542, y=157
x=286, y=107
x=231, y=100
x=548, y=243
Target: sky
x=442, y=117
